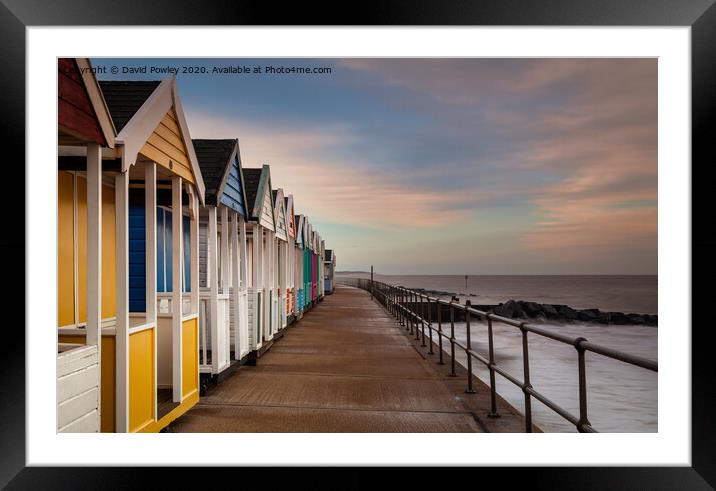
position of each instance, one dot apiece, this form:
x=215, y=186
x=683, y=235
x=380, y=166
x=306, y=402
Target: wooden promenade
x=346, y=367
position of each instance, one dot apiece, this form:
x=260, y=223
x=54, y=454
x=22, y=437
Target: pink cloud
x=341, y=192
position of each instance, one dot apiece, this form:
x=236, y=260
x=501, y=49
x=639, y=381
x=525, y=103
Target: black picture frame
x=700, y=15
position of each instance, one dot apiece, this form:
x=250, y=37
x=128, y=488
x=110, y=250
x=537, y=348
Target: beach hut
x=85, y=250
x=321, y=260
x=328, y=271
x=312, y=263
x=260, y=239
x=299, y=280
x=291, y=261
x=307, y=290
x=158, y=193
x=280, y=260
x=223, y=298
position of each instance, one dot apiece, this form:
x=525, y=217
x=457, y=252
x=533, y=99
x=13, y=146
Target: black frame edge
x=700, y=14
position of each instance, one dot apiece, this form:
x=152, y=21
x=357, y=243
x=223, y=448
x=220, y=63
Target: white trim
x=213, y=281
x=177, y=266
x=150, y=210
x=80, y=151
x=235, y=276
x=150, y=234
x=224, y=244
x=94, y=252
x=140, y=328
x=243, y=253
x=257, y=281
x=121, y=194
x=194, y=251
x=97, y=99
x=79, y=331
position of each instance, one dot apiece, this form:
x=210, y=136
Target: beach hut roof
x=138, y=108
x=124, y=98
x=216, y=158
x=256, y=181
x=82, y=109
x=252, y=177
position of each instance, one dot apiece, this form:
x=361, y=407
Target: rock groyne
x=538, y=312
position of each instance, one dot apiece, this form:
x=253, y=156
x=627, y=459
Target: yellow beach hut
x=157, y=195
x=87, y=161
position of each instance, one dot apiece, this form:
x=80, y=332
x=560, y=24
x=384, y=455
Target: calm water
x=621, y=398
x=612, y=293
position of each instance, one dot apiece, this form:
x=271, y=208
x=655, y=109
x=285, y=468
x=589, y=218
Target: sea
x=621, y=398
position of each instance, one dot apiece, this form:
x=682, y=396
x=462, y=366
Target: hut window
x=164, y=251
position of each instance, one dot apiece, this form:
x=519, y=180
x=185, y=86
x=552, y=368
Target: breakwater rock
x=537, y=312
x=518, y=309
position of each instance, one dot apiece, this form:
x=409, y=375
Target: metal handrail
x=408, y=307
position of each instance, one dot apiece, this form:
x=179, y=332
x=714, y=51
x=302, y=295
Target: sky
x=446, y=166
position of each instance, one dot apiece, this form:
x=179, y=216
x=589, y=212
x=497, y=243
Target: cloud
x=567, y=146
x=303, y=163
x=591, y=125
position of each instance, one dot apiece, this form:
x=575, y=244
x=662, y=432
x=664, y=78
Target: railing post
x=493, y=389
x=422, y=319
x=440, y=332
x=430, y=327
x=415, y=316
x=583, y=419
x=470, y=389
x=526, y=385
x=371, y=282
x=452, y=340
x=410, y=310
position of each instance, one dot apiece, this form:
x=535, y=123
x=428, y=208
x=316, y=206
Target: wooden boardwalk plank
x=344, y=367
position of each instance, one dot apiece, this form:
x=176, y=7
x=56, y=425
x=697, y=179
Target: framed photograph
x=438, y=236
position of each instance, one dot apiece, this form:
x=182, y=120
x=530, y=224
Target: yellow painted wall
x=82, y=248
x=109, y=265
x=165, y=144
x=65, y=250
x=108, y=384
x=107, y=392
x=142, y=406
x=190, y=349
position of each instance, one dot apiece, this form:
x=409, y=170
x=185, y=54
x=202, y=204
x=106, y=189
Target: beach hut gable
x=263, y=209
x=299, y=231
x=150, y=120
x=82, y=113
x=290, y=217
x=306, y=233
x=280, y=214
x=220, y=163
